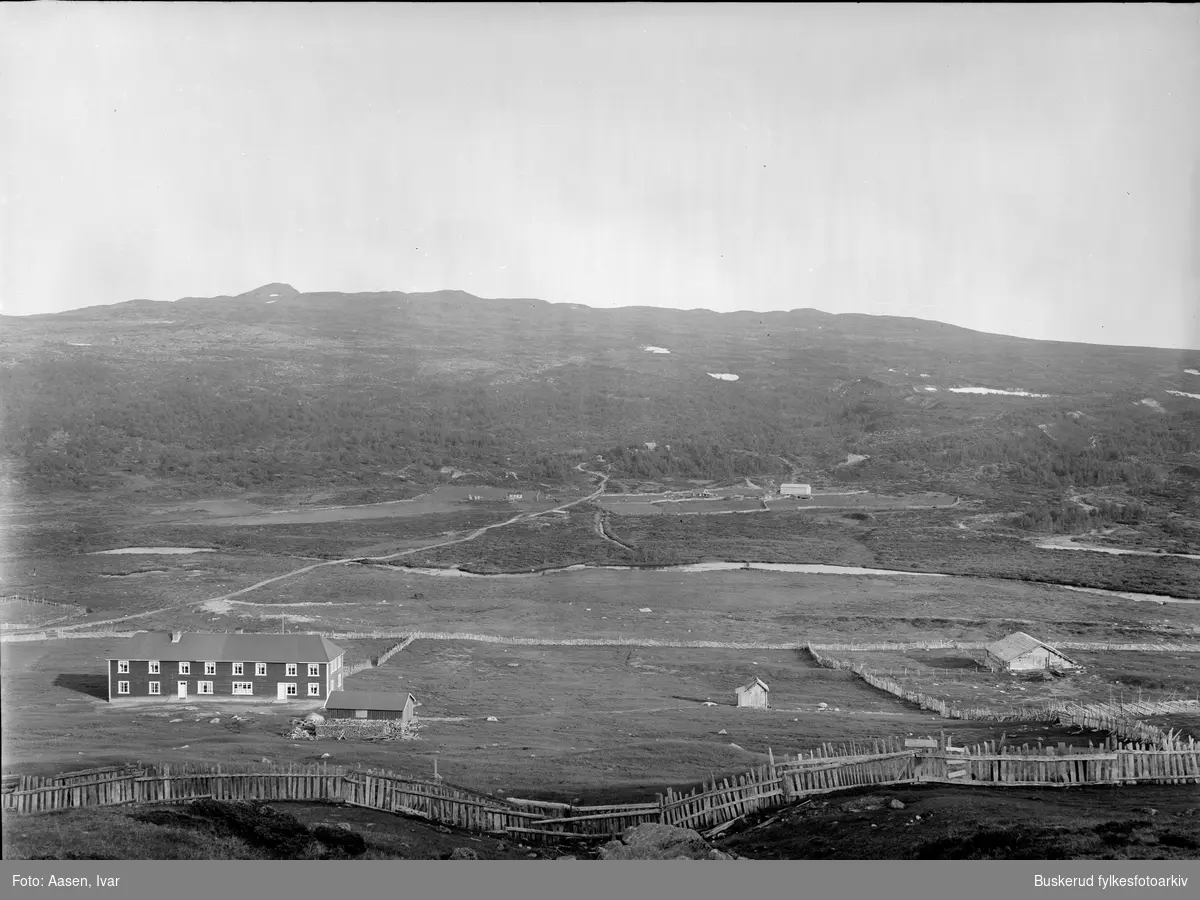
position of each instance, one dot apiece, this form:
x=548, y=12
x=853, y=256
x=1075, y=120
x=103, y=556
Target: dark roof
x=757, y=681
x=367, y=700
x=1018, y=644
x=274, y=648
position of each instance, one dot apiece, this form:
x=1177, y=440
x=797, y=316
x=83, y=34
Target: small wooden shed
x=370, y=705
x=754, y=694
x=1020, y=652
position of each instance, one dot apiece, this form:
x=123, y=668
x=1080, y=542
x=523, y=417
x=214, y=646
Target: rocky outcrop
x=654, y=841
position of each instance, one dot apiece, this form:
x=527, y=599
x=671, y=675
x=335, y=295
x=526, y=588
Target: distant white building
x=795, y=490
x=516, y=496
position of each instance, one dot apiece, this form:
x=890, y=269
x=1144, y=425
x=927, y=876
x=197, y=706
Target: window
x=360, y=714
x=210, y=668
x=122, y=687
x=185, y=668
x=154, y=667
x=123, y=666
x=260, y=669
x=314, y=670
x=237, y=668
x=314, y=690
x=336, y=664
x=203, y=687
x=155, y=687
x=291, y=670
x=291, y=690
x=243, y=687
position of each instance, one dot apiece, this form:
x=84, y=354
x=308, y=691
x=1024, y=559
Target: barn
x=754, y=694
x=371, y=705
x=1019, y=652
x=795, y=490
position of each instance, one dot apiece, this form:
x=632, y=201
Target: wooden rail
x=823, y=770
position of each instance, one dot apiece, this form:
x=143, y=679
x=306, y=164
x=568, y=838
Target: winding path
x=521, y=517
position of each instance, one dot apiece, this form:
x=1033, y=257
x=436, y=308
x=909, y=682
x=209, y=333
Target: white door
x=281, y=691
x=183, y=690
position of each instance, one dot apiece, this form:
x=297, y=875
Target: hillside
x=279, y=390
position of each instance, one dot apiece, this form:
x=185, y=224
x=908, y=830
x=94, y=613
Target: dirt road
x=521, y=517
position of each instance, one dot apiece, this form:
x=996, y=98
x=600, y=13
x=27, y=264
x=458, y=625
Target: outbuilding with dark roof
x=370, y=705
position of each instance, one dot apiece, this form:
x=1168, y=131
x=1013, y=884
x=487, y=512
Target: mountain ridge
x=280, y=291
x=208, y=389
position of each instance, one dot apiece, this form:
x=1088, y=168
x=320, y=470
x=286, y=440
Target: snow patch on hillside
x=983, y=390
x=1153, y=404
x=1184, y=394
x=656, y=349
x=1191, y=372
x=722, y=376
x=157, y=551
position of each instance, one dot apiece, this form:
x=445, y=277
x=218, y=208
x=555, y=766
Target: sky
x=1028, y=169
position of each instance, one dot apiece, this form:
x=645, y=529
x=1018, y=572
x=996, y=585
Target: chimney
x=175, y=636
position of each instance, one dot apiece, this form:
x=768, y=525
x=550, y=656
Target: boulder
x=340, y=840
x=896, y=804
x=315, y=719
x=655, y=841
x=463, y=853
x=863, y=804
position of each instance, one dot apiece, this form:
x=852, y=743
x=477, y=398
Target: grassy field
x=1105, y=677
x=326, y=540
x=124, y=585
x=744, y=606
x=464, y=678
x=17, y=611
x=925, y=540
x=525, y=546
x=745, y=499
x=441, y=500
x=600, y=724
